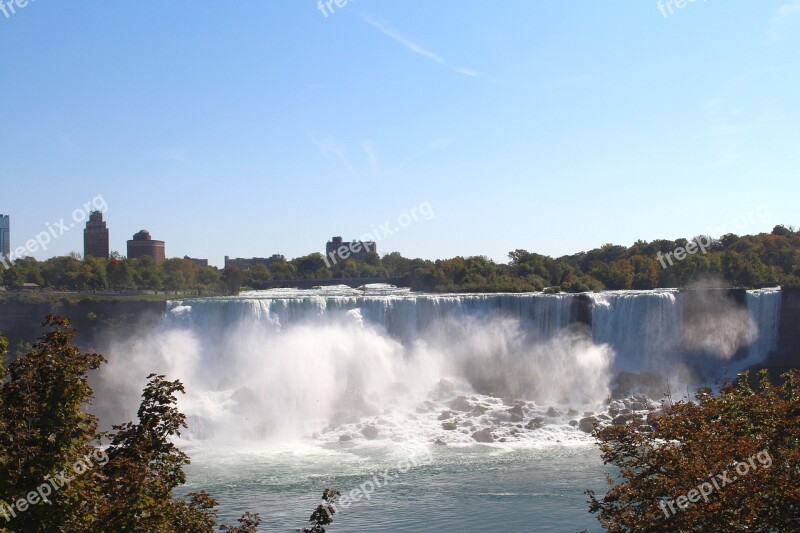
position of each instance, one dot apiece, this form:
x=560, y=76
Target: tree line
x=741, y=261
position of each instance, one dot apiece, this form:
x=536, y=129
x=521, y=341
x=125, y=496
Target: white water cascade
x=331, y=363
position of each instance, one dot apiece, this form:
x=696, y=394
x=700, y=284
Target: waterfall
x=301, y=362
x=764, y=308
x=642, y=327
x=403, y=316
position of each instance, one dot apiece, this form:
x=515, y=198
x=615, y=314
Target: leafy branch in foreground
x=54, y=476
x=693, y=443
x=323, y=514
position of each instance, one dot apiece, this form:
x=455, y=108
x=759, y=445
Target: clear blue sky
x=250, y=128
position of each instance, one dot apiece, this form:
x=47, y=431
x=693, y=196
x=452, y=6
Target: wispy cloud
x=788, y=15
x=175, y=154
x=408, y=43
x=329, y=148
x=416, y=48
x=369, y=155
x=433, y=146
x=372, y=156
x=465, y=71
x=723, y=130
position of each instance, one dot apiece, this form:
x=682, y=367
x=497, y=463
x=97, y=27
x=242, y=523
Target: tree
x=46, y=429
x=232, y=277
x=258, y=275
x=120, y=276
x=147, y=274
x=727, y=462
x=782, y=230
x=323, y=514
x=248, y=524
x=645, y=272
x=620, y=275
x=208, y=278
x=144, y=467
x=310, y=266
x=179, y=274
x=54, y=473
x=13, y=277
x=283, y=270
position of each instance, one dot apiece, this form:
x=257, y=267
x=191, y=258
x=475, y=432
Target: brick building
x=143, y=245
x=95, y=236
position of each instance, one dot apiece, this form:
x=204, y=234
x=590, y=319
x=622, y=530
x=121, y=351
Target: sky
x=252, y=128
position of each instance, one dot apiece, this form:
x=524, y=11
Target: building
x=336, y=249
x=248, y=263
x=5, y=236
x=198, y=262
x=143, y=245
x=95, y=236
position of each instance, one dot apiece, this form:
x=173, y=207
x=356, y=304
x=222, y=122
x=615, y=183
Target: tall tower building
x=5, y=236
x=95, y=236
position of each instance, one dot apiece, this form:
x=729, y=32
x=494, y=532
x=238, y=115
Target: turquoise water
x=466, y=489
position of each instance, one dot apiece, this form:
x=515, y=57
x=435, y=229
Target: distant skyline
x=263, y=128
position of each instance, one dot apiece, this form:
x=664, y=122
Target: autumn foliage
x=691, y=443
x=50, y=444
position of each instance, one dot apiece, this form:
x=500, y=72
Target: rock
x=516, y=410
x=460, y=403
x=445, y=415
x=345, y=438
x=535, y=423
x=479, y=410
x=621, y=420
x=370, y=432
x=588, y=413
x=587, y=424
x=573, y=423
x=572, y=412
x=445, y=386
x=605, y=432
x=516, y=418
x=552, y=412
x=604, y=417
x=484, y=435
x=639, y=406
x=440, y=442
x=449, y=426
x=315, y=435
